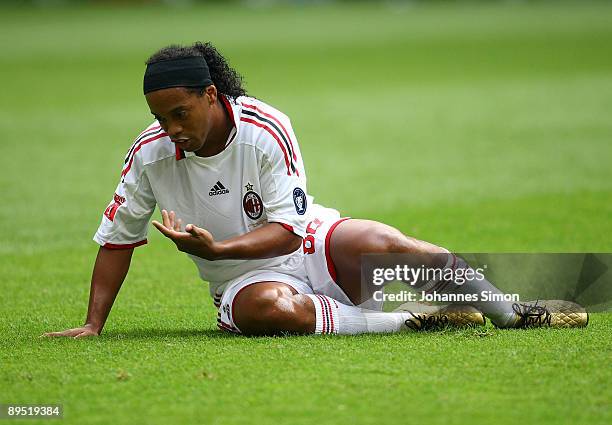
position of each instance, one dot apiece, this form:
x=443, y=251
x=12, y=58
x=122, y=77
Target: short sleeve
x=282, y=178
x=125, y=220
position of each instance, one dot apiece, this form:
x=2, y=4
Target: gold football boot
x=550, y=313
x=430, y=317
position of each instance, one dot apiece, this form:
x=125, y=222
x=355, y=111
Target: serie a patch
x=300, y=201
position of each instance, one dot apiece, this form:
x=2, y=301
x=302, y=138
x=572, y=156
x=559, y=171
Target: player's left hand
x=193, y=240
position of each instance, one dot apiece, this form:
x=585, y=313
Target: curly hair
x=227, y=80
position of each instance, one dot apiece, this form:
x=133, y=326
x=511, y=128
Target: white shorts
x=315, y=275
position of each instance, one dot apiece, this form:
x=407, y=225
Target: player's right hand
x=193, y=240
x=81, y=332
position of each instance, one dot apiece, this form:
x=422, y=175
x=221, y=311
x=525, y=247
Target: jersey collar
x=233, y=109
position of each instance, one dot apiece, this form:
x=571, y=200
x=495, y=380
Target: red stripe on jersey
x=155, y=127
x=229, y=109
x=124, y=246
x=330, y=264
x=273, y=118
x=265, y=127
x=141, y=144
x=286, y=226
x=147, y=133
x=180, y=154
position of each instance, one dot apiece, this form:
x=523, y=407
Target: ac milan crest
x=252, y=205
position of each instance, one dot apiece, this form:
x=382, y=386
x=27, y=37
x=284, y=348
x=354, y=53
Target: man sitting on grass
x=229, y=167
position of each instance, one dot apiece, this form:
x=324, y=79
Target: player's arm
x=267, y=241
x=124, y=226
x=110, y=270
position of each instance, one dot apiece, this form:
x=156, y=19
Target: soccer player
x=227, y=174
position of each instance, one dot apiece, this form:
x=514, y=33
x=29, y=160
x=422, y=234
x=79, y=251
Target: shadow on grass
x=166, y=333
x=187, y=334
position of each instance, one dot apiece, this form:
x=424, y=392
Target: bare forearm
x=110, y=270
x=271, y=240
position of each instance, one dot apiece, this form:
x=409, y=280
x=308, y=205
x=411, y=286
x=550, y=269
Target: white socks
x=333, y=317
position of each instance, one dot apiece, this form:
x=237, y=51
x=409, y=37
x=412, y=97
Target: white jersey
x=258, y=178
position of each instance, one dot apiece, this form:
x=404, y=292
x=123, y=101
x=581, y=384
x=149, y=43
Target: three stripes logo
x=218, y=189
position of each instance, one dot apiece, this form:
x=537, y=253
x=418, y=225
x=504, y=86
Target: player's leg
x=270, y=308
x=352, y=238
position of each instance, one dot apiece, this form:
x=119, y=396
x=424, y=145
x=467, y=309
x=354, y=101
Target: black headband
x=184, y=72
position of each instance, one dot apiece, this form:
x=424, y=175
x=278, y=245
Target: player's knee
x=270, y=312
x=386, y=239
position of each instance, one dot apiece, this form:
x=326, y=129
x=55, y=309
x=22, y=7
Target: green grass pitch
x=479, y=127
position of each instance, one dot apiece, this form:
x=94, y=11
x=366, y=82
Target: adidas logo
x=218, y=189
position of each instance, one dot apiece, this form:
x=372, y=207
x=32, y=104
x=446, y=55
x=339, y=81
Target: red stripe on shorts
x=330, y=264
